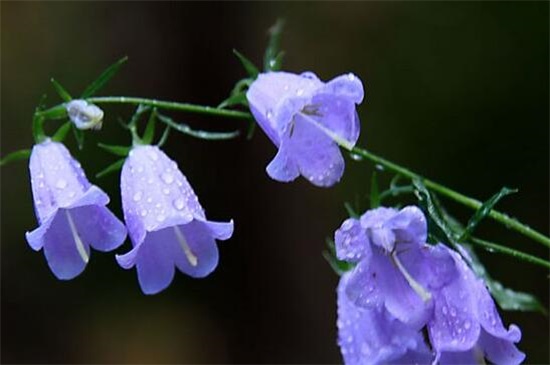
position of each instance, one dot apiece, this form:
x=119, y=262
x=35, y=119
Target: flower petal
x=318, y=157
x=349, y=86
x=409, y=225
x=501, y=351
x=363, y=285
x=283, y=168
x=198, y=237
x=220, y=230
x=99, y=227
x=351, y=241
x=337, y=114
x=155, y=265
x=61, y=249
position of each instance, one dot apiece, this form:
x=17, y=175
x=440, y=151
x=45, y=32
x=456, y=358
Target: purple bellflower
x=165, y=221
x=71, y=212
x=307, y=119
x=405, y=285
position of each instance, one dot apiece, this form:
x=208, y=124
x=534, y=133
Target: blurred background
x=455, y=91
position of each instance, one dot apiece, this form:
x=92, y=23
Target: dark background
x=455, y=91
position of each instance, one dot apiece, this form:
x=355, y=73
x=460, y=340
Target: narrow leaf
x=250, y=130
x=238, y=99
x=111, y=168
x=250, y=68
x=164, y=136
x=351, y=212
x=374, y=193
x=140, y=110
x=63, y=94
x=56, y=112
x=62, y=131
x=79, y=137
x=149, y=133
x=122, y=151
x=103, y=78
x=484, y=211
x=272, y=50
x=38, y=128
x=15, y=156
x=185, y=129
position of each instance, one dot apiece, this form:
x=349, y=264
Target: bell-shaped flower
x=307, y=119
x=84, y=115
x=372, y=336
x=71, y=212
x=466, y=327
x=166, y=223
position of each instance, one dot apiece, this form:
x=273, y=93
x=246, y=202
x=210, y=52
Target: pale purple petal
x=338, y=114
x=432, y=266
x=501, y=351
x=351, y=242
x=349, y=86
x=98, y=227
x=409, y=225
x=155, y=264
x=283, y=168
x=61, y=250
x=474, y=356
x=363, y=286
x=371, y=336
x=220, y=230
x=202, y=245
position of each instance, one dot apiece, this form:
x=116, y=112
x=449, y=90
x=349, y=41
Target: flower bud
x=85, y=115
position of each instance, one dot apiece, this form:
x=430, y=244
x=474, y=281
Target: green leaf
x=15, y=156
x=250, y=130
x=140, y=110
x=484, y=211
x=79, y=137
x=273, y=56
x=164, y=136
x=38, y=128
x=111, y=168
x=339, y=267
x=61, y=90
x=149, y=133
x=250, y=68
x=185, y=129
x=56, y=112
x=238, y=99
x=506, y=298
x=62, y=131
x=103, y=78
x=122, y=151
x=351, y=212
x=374, y=193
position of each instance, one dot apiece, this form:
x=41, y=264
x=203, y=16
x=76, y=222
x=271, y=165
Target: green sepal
x=63, y=94
x=103, y=78
x=484, y=211
x=79, y=137
x=122, y=151
x=15, y=156
x=38, y=128
x=374, y=192
x=250, y=68
x=164, y=136
x=62, y=131
x=56, y=112
x=339, y=267
x=149, y=132
x=185, y=129
x=115, y=166
x=250, y=130
x=272, y=56
x=238, y=99
x=351, y=211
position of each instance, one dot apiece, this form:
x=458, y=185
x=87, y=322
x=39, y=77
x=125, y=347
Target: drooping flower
x=71, y=212
x=422, y=287
x=166, y=223
x=84, y=115
x=307, y=119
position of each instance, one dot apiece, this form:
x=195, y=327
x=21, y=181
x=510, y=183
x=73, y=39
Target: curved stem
x=509, y=222
x=171, y=105
x=491, y=246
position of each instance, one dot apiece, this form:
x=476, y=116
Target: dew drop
x=300, y=92
x=346, y=226
x=71, y=194
x=150, y=181
x=137, y=196
x=467, y=325
x=166, y=191
x=160, y=217
x=143, y=212
x=351, y=77
x=153, y=155
x=61, y=184
x=167, y=177
x=178, y=203
x=149, y=200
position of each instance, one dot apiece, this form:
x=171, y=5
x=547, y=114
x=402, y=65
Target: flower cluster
x=307, y=120
x=402, y=288
x=163, y=217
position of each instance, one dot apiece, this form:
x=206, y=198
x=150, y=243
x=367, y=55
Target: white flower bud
x=85, y=115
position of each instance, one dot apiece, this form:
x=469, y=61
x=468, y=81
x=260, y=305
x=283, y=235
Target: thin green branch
x=493, y=247
x=509, y=222
x=171, y=105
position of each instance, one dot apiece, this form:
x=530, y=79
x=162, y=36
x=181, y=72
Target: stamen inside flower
x=424, y=294
x=185, y=247
x=306, y=114
x=78, y=241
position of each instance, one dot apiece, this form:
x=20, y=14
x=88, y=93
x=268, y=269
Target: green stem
x=490, y=246
x=509, y=222
x=171, y=105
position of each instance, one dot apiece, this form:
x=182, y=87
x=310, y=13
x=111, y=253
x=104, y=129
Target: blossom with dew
x=71, y=212
x=307, y=120
x=165, y=221
x=84, y=115
x=398, y=277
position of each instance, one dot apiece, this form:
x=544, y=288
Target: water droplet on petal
x=179, y=203
x=137, y=196
x=153, y=155
x=143, y=212
x=167, y=177
x=61, y=184
x=160, y=217
x=300, y=92
x=166, y=191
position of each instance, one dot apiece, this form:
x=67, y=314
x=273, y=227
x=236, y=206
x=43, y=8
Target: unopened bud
x=85, y=115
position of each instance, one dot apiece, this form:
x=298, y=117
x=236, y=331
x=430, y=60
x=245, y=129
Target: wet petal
x=501, y=351
x=348, y=86
x=409, y=225
x=351, y=241
x=61, y=249
x=283, y=167
x=338, y=114
x=363, y=283
x=197, y=236
x=155, y=265
x=220, y=230
x=99, y=227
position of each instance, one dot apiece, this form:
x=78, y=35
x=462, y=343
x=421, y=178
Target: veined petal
x=200, y=244
x=283, y=167
x=98, y=227
x=155, y=265
x=348, y=86
x=501, y=351
x=351, y=242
